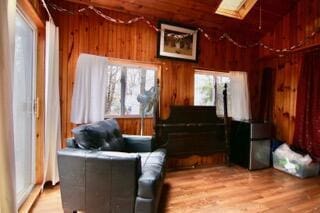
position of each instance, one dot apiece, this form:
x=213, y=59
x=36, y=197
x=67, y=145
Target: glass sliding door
x=23, y=104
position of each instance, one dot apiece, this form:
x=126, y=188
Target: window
x=208, y=89
x=204, y=89
x=232, y=5
x=235, y=8
x=124, y=84
x=23, y=99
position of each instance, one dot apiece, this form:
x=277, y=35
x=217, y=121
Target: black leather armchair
x=108, y=181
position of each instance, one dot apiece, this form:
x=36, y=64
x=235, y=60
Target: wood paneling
x=132, y=126
x=194, y=161
x=201, y=13
x=40, y=117
x=294, y=27
x=222, y=189
x=88, y=33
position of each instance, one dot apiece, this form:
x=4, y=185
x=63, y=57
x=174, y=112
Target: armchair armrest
x=138, y=143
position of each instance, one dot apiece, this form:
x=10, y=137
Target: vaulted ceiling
x=201, y=13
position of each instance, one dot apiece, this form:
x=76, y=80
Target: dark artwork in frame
x=177, y=42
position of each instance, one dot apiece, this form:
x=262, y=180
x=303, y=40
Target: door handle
x=37, y=108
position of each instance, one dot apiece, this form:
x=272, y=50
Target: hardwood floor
x=224, y=189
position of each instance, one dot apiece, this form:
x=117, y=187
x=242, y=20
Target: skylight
x=235, y=8
x=234, y=5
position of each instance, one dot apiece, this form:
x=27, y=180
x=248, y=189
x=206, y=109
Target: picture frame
x=177, y=42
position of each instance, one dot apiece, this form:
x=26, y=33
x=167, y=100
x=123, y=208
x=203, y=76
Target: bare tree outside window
x=208, y=90
x=112, y=104
x=204, y=89
x=124, y=84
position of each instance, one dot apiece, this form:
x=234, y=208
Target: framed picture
x=177, y=42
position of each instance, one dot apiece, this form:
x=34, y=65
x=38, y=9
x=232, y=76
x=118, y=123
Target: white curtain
x=240, y=100
x=52, y=104
x=7, y=165
x=88, y=100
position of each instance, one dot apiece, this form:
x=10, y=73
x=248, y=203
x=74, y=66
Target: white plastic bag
x=285, y=151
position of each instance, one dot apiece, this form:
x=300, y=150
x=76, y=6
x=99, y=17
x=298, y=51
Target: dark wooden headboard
x=192, y=130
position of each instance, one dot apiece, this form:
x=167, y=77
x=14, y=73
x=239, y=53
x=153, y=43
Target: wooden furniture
x=191, y=130
x=194, y=130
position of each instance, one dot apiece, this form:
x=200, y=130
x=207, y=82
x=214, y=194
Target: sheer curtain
x=88, y=99
x=240, y=100
x=7, y=167
x=52, y=104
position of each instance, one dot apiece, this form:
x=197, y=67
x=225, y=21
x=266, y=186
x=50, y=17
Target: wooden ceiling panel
x=201, y=13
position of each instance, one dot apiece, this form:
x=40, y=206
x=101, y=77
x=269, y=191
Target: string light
x=207, y=36
x=260, y=15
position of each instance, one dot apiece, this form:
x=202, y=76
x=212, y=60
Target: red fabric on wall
x=266, y=95
x=307, y=125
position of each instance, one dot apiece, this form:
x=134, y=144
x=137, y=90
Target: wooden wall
x=294, y=27
x=87, y=33
x=91, y=34
x=132, y=125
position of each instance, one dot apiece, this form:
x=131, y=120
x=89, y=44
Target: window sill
x=127, y=117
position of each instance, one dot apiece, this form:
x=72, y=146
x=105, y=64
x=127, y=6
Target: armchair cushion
x=138, y=143
x=103, y=135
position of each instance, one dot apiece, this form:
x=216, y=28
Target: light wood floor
x=224, y=189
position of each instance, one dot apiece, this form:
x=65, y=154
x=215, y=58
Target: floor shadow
x=164, y=198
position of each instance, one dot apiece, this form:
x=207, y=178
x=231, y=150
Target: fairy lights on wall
x=206, y=35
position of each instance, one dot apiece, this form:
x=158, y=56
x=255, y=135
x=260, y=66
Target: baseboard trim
x=28, y=203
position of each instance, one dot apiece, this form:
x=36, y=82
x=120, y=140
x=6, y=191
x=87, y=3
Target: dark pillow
x=89, y=136
x=103, y=135
x=80, y=137
x=114, y=140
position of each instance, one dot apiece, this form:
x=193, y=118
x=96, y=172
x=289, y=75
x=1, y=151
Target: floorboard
x=223, y=189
